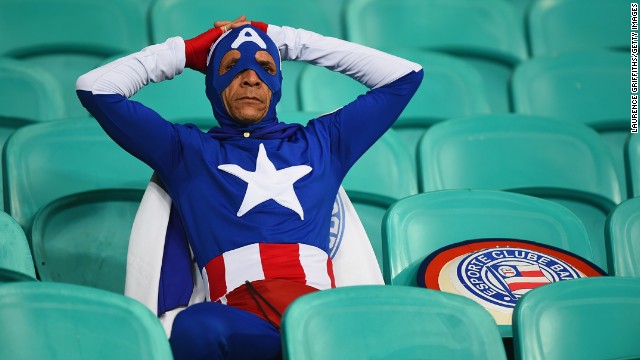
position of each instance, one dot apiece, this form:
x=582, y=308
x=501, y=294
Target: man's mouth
x=249, y=98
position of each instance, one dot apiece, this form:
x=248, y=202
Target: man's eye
x=268, y=68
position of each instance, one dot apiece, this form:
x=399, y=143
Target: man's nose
x=250, y=78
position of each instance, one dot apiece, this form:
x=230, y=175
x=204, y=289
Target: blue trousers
x=211, y=330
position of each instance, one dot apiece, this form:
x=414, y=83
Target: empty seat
x=563, y=161
x=388, y=322
x=83, y=238
x=592, y=318
x=68, y=37
x=560, y=26
x=50, y=320
x=46, y=161
x=487, y=34
x=15, y=254
x=623, y=238
x=453, y=88
x=588, y=87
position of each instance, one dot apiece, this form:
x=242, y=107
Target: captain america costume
x=250, y=194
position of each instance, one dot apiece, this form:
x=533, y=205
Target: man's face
x=247, y=98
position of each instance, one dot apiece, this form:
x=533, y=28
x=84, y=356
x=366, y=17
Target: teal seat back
x=83, y=238
x=623, y=238
x=46, y=161
x=491, y=40
x=50, y=320
x=560, y=26
x=7, y=275
x=632, y=165
x=588, y=87
x=416, y=226
x=385, y=169
x=15, y=254
x=560, y=160
x=388, y=322
x=453, y=88
x=188, y=18
x=590, y=318
x=68, y=37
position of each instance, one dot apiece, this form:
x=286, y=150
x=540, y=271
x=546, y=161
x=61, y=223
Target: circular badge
x=497, y=272
x=336, y=227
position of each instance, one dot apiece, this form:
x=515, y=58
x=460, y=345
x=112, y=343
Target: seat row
x=414, y=227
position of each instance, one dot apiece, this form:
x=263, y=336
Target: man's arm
x=105, y=93
x=392, y=80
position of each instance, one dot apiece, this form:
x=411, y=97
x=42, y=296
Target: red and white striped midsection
x=301, y=263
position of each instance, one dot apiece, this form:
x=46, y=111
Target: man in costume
x=253, y=196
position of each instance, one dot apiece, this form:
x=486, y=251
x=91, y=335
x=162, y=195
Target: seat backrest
x=491, y=28
x=15, y=254
x=590, y=318
x=68, y=37
x=589, y=87
x=385, y=169
x=390, y=322
x=563, y=161
x=29, y=92
x=557, y=26
x=632, y=164
x=83, y=238
x=416, y=226
x=623, y=238
x=54, y=320
x=46, y=161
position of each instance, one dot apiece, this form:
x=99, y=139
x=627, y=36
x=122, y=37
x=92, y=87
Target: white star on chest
x=267, y=183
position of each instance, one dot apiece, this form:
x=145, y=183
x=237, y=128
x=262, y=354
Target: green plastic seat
x=60, y=321
x=68, y=37
x=561, y=26
x=188, y=18
x=7, y=275
x=452, y=88
x=388, y=322
x=563, y=161
x=83, y=238
x=588, y=87
x=15, y=254
x=632, y=165
x=623, y=238
x=590, y=318
x=489, y=35
x=46, y=161
x=417, y=226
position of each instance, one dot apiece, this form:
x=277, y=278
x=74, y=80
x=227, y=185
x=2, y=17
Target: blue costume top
x=234, y=191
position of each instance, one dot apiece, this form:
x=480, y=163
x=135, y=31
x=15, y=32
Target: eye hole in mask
x=231, y=58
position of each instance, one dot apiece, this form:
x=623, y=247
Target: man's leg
x=214, y=331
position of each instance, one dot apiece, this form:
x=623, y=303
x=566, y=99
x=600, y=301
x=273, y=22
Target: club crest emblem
x=336, y=228
x=496, y=273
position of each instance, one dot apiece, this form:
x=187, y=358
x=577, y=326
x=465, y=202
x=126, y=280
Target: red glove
x=197, y=49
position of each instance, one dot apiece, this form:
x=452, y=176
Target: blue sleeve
x=359, y=124
x=137, y=129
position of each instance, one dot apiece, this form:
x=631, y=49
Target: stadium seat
x=46, y=161
x=623, y=238
x=588, y=87
x=50, y=320
x=561, y=26
x=7, y=275
x=632, y=164
x=487, y=34
x=451, y=88
x=15, y=254
x=188, y=18
x=83, y=238
x=559, y=160
x=70, y=37
x=388, y=322
x=591, y=318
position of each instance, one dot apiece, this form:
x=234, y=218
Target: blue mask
x=248, y=40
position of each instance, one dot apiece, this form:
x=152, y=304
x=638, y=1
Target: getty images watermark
x=634, y=68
